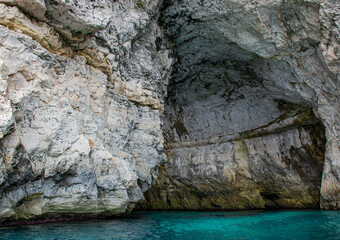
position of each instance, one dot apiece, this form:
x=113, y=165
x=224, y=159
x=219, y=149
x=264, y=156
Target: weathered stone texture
x=73, y=142
x=249, y=118
x=237, y=60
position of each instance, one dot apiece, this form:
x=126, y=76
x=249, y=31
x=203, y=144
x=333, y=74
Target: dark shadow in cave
x=235, y=139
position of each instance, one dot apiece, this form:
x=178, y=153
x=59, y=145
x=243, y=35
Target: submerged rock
x=249, y=118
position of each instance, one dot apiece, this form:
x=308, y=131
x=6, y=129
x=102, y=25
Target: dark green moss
x=289, y=33
x=180, y=128
x=290, y=109
x=140, y=3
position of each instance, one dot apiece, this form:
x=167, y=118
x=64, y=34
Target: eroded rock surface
x=251, y=117
x=240, y=100
x=82, y=87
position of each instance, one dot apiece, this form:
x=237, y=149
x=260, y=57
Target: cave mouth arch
x=239, y=132
x=237, y=146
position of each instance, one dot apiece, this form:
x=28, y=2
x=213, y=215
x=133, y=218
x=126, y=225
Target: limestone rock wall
x=248, y=119
x=271, y=171
x=82, y=86
x=247, y=76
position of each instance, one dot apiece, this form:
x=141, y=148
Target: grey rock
x=79, y=146
x=237, y=60
x=7, y=119
x=88, y=111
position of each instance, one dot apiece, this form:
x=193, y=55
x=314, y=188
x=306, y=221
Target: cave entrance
x=233, y=144
x=237, y=136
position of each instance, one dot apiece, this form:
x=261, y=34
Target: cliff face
x=240, y=124
x=251, y=101
x=82, y=86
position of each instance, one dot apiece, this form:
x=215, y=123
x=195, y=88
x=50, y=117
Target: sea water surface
x=191, y=225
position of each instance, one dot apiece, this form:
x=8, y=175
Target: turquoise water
x=191, y=225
